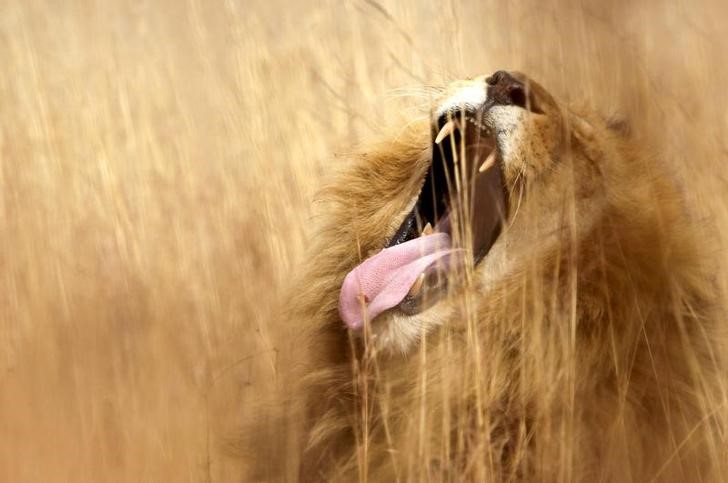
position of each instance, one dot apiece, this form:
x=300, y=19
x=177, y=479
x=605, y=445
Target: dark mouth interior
x=434, y=199
x=439, y=196
x=479, y=204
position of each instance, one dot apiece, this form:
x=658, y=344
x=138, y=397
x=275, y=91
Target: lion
x=509, y=289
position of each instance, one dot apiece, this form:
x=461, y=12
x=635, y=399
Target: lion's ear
x=619, y=125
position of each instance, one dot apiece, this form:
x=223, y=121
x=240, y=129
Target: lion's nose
x=506, y=90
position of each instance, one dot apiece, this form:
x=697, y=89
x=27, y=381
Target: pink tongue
x=383, y=280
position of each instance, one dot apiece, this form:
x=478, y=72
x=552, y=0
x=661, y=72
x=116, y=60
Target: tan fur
x=584, y=348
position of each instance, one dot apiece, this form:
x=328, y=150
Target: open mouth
x=457, y=217
x=464, y=197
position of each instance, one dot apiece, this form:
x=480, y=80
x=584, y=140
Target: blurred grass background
x=158, y=161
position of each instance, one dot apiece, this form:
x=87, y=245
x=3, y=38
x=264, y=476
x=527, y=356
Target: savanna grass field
x=159, y=163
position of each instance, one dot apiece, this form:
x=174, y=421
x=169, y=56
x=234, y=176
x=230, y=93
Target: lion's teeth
x=417, y=286
x=489, y=161
x=446, y=130
x=427, y=230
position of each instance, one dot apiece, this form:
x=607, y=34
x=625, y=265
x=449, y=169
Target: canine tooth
x=417, y=286
x=427, y=230
x=446, y=130
x=489, y=161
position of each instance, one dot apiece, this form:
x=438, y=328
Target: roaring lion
x=509, y=289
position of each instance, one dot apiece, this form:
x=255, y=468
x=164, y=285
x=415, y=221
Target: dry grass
x=157, y=166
